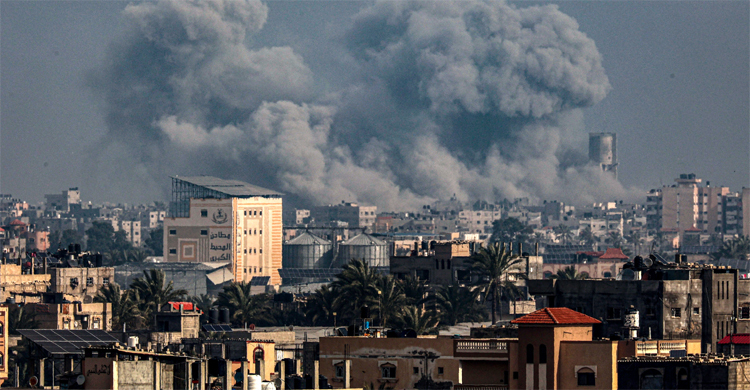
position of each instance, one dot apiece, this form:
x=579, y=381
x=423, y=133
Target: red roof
x=556, y=316
x=17, y=223
x=185, y=305
x=590, y=253
x=739, y=338
x=613, y=253
x=693, y=229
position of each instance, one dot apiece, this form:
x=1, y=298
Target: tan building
x=745, y=203
x=216, y=220
x=3, y=344
x=686, y=205
x=21, y=287
x=72, y=315
x=80, y=283
x=132, y=231
x=351, y=213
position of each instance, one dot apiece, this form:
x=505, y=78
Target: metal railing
x=481, y=346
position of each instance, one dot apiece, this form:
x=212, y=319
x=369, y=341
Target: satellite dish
x=33, y=381
x=80, y=380
x=647, y=262
x=628, y=274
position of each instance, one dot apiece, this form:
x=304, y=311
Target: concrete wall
x=600, y=356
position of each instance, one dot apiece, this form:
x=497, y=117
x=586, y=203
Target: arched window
x=547, y=274
x=586, y=377
x=542, y=354
x=652, y=379
x=258, y=354
x=529, y=354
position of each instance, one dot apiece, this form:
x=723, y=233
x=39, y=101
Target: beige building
x=3, y=344
x=745, y=203
x=80, y=283
x=351, y=213
x=72, y=315
x=216, y=220
x=132, y=231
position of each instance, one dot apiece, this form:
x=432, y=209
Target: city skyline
x=672, y=83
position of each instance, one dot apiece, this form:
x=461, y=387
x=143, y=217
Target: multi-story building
x=155, y=218
x=351, y=213
x=301, y=216
x=132, y=231
x=64, y=202
x=4, y=325
x=80, y=283
x=478, y=221
x=216, y=220
x=745, y=211
x=72, y=315
x=686, y=206
x=732, y=214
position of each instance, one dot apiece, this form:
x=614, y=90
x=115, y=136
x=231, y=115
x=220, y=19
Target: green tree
x=510, y=230
x=391, y=299
x=492, y=264
x=458, y=304
x=357, y=284
x=244, y=307
x=736, y=248
x=415, y=290
x=153, y=291
x=19, y=317
x=320, y=306
x=124, y=310
x=564, y=233
x=103, y=238
x=63, y=239
x=568, y=273
x=615, y=240
x=421, y=321
x=155, y=242
x=204, y=302
x=586, y=236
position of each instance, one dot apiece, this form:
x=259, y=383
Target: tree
x=136, y=255
x=568, y=273
x=458, y=304
x=154, y=243
x=419, y=320
x=19, y=317
x=204, y=302
x=244, y=307
x=391, y=299
x=491, y=264
x=564, y=233
x=634, y=238
x=357, y=286
x=320, y=306
x=586, y=236
x=736, y=248
x=63, y=239
x=103, y=238
x=614, y=239
x=152, y=292
x=124, y=310
x=510, y=230
x=414, y=289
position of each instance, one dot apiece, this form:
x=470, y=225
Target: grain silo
x=364, y=246
x=307, y=251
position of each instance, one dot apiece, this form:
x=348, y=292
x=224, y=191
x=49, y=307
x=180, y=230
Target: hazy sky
x=675, y=88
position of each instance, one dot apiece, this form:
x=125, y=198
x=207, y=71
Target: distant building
x=216, y=220
x=603, y=151
x=64, y=202
x=132, y=231
x=351, y=213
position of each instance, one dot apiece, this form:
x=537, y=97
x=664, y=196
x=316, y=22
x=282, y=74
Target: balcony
x=480, y=348
x=659, y=347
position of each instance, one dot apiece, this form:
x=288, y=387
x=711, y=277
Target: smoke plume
x=472, y=99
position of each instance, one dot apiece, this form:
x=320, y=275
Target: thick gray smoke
x=473, y=99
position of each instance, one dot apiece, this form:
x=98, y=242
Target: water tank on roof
x=307, y=251
x=364, y=247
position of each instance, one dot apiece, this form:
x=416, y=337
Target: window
x=339, y=370
x=73, y=282
x=172, y=232
x=441, y=370
x=204, y=213
x=586, y=377
x=204, y=232
x=415, y=370
x=89, y=281
x=529, y=354
x=172, y=251
x=105, y=281
x=515, y=374
x=650, y=312
x=676, y=312
x=542, y=354
x=744, y=313
x=388, y=371
x=614, y=313
x=697, y=311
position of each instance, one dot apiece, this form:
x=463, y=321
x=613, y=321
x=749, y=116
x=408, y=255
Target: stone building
x=686, y=372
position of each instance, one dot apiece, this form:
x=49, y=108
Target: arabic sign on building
x=220, y=244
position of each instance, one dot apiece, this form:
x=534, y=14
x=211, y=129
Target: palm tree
x=458, y=304
x=124, y=309
x=420, y=321
x=136, y=255
x=414, y=289
x=491, y=264
x=357, y=284
x=320, y=306
x=634, y=238
x=391, y=299
x=204, y=302
x=20, y=318
x=244, y=307
x=569, y=273
x=564, y=233
x=152, y=292
x=614, y=238
x=736, y=248
x=586, y=236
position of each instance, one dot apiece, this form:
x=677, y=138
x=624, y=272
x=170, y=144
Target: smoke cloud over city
x=472, y=99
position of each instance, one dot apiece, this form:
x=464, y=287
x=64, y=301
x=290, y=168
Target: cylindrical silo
x=306, y=251
x=364, y=247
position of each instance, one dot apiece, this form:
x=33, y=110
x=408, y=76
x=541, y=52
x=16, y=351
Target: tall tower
x=603, y=151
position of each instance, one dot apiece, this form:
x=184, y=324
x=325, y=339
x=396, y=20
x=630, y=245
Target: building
x=603, y=151
x=216, y=220
x=4, y=361
x=68, y=316
x=478, y=221
x=132, y=231
x=65, y=201
x=684, y=372
x=353, y=214
x=80, y=283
